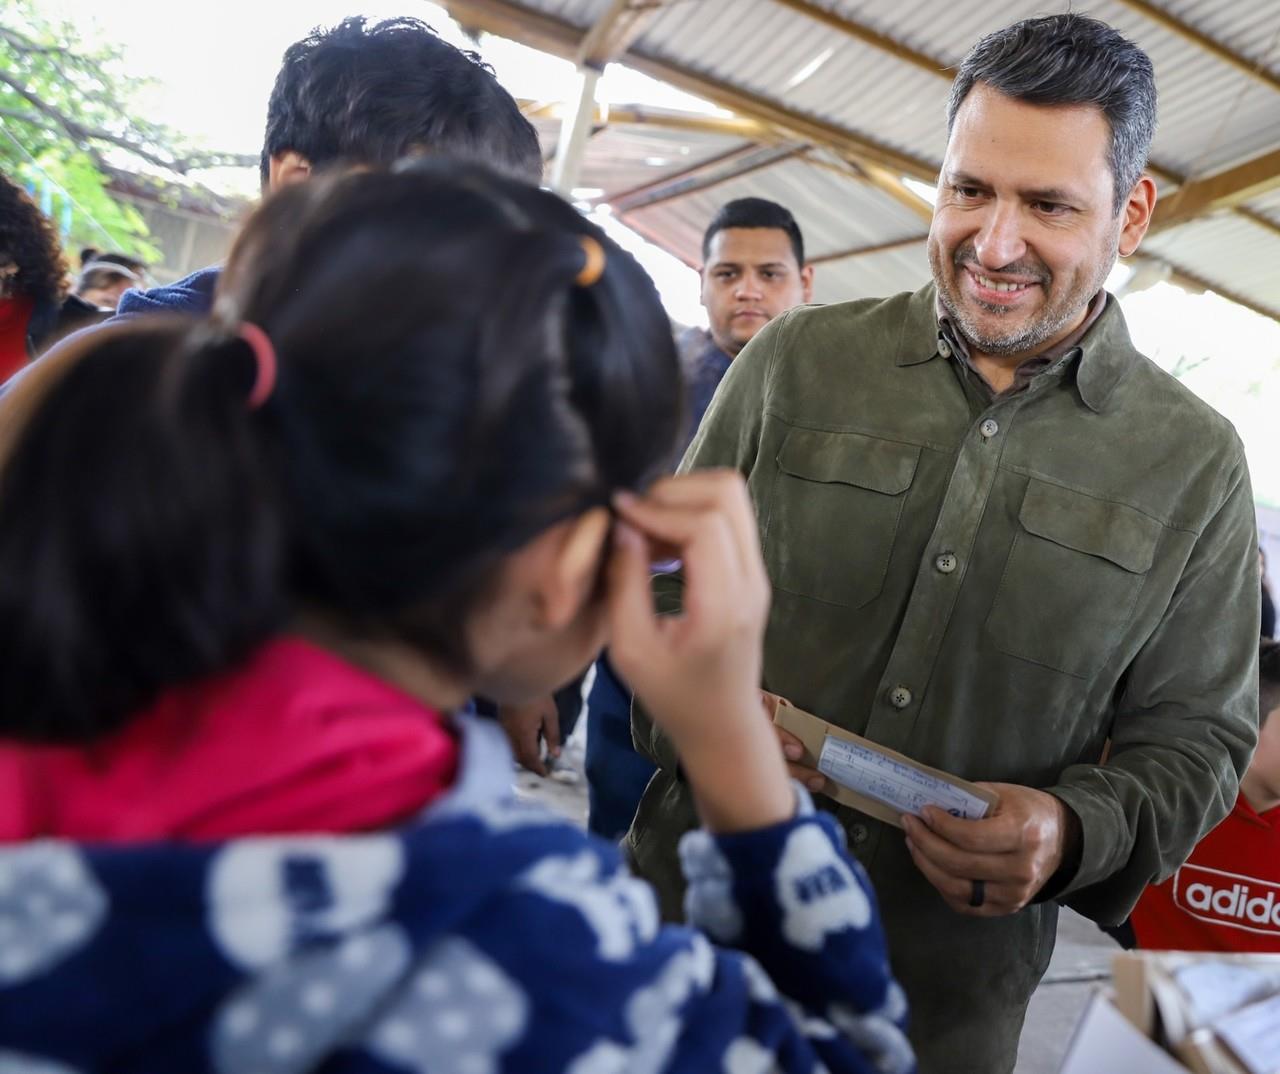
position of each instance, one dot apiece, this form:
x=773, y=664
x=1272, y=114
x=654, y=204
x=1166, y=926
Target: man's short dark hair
x=755, y=212
x=1268, y=677
x=371, y=94
x=1071, y=59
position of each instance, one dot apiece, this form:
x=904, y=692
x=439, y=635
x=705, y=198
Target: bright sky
x=213, y=76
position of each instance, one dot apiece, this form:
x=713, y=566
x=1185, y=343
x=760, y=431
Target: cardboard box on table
x=1115, y=1033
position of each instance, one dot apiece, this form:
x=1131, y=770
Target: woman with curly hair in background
x=33, y=278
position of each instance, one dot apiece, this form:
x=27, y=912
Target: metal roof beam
x=661, y=241
x=1254, y=69
x=1223, y=190
x=643, y=115
x=693, y=171
x=886, y=182
x=508, y=19
x=758, y=158
x=866, y=251
x=611, y=35
x=1191, y=281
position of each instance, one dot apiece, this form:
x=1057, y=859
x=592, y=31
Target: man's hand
x=697, y=673
x=793, y=750
x=525, y=724
x=792, y=747
x=1014, y=851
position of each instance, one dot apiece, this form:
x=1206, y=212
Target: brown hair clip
x=593, y=267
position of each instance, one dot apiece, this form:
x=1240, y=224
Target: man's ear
x=1136, y=215
x=574, y=568
x=287, y=168
x=806, y=282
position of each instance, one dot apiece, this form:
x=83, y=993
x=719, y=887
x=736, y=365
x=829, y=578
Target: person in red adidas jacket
x=1227, y=896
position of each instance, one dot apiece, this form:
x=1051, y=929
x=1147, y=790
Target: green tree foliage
x=67, y=119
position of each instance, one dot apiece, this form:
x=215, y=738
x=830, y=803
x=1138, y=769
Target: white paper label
x=906, y=789
x=1216, y=988
x=1254, y=1035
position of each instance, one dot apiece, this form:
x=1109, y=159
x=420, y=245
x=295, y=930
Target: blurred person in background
x=92, y=255
x=1226, y=895
x=103, y=283
x=33, y=278
x=95, y=296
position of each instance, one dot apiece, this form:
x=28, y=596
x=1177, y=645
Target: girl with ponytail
x=251, y=569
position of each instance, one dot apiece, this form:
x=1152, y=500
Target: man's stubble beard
x=1045, y=325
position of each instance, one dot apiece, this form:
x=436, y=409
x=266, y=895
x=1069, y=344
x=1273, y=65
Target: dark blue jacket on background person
x=191, y=294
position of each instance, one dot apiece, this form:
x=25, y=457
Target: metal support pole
x=573, y=135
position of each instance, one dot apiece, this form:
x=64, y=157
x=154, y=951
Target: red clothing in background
x=15, y=317
x=293, y=741
x=1226, y=897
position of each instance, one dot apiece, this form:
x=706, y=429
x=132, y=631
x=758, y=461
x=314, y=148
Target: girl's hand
x=698, y=673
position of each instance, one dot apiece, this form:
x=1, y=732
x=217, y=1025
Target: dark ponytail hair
x=446, y=391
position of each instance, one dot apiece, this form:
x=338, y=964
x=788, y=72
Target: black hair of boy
x=373, y=93
x=752, y=213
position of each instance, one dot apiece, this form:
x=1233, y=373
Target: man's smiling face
x=1024, y=232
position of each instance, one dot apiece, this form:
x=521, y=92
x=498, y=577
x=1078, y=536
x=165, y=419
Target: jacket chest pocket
x=834, y=514
x=1072, y=579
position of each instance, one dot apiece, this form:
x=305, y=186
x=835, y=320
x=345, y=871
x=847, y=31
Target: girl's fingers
x=704, y=539
x=722, y=489
x=633, y=627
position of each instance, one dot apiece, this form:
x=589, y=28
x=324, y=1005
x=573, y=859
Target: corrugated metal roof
x=621, y=157
x=1269, y=206
x=761, y=47
x=834, y=213
x=1235, y=253
x=871, y=275
x=1213, y=114
x=1248, y=29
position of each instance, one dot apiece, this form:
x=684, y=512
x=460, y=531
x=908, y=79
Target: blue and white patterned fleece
x=485, y=937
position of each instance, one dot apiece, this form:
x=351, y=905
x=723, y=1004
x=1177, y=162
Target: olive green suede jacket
x=997, y=587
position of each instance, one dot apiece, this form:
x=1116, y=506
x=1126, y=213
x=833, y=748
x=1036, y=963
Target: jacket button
x=899, y=697
x=988, y=428
x=944, y=348
x=858, y=834
x=946, y=562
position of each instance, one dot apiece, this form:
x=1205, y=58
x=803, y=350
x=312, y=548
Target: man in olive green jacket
x=1000, y=538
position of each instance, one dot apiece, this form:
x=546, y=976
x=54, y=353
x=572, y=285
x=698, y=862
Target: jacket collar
x=1106, y=354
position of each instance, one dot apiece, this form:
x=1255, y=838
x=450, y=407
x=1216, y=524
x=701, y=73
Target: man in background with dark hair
x=999, y=537
x=364, y=93
x=753, y=270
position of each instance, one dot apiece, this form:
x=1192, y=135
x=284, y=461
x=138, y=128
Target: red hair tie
x=264, y=355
